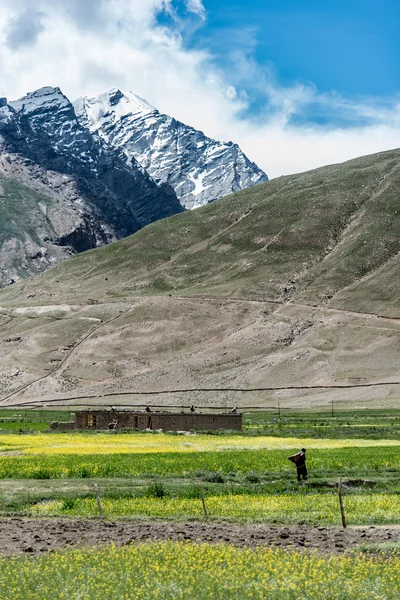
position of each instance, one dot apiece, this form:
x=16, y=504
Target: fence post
x=96, y=489
x=341, y=503
x=203, y=500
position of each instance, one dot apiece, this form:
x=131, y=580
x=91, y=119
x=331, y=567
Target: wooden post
x=96, y=489
x=203, y=500
x=341, y=503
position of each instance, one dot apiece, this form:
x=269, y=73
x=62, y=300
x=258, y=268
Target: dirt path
x=281, y=304
x=34, y=536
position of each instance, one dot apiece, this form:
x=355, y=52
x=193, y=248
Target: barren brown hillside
x=291, y=284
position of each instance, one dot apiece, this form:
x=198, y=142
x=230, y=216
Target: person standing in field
x=299, y=460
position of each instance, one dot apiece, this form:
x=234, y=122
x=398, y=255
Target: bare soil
x=34, y=536
x=159, y=343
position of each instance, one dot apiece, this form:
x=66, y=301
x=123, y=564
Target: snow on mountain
x=122, y=105
x=197, y=168
x=47, y=98
x=49, y=133
x=6, y=112
x=104, y=168
x=50, y=113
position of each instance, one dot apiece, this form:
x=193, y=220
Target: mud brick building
x=167, y=421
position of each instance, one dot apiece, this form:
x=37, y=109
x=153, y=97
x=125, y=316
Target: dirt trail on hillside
x=290, y=304
x=35, y=536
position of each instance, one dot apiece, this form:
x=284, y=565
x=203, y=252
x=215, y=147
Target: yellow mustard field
x=185, y=571
x=282, y=508
x=105, y=443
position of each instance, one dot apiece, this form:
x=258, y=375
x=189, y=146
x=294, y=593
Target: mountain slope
x=98, y=190
x=292, y=283
x=305, y=236
x=198, y=168
x=39, y=226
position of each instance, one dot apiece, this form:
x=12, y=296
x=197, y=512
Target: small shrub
x=252, y=478
x=156, y=490
x=68, y=504
x=387, y=549
x=192, y=492
x=214, y=477
x=84, y=473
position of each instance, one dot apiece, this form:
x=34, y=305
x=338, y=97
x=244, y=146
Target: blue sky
x=349, y=48
x=296, y=83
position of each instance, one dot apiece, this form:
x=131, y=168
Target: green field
x=364, y=461
x=335, y=423
x=244, y=477
x=286, y=508
x=21, y=420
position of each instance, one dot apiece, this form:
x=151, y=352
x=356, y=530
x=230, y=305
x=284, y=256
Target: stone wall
x=63, y=426
x=102, y=419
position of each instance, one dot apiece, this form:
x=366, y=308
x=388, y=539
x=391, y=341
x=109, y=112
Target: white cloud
x=196, y=7
x=283, y=151
x=24, y=29
x=88, y=47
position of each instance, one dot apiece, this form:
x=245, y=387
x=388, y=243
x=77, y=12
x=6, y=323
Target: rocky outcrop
x=197, y=168
x=44, y=219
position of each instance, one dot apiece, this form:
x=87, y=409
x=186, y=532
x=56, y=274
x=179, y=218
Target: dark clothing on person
x=300, y=462
x=301, y=472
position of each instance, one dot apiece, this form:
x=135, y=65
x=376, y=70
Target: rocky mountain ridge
x=199, y=169
x=44, y=218
x=66, y=189
x=48, y=132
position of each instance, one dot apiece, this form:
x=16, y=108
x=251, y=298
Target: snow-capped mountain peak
x=110, y=106
x=46, y=98
x=198, y=169
x=89, y=193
